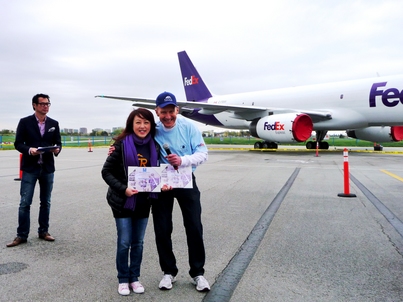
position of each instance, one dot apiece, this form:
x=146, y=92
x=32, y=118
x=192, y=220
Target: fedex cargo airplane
x=367, y=109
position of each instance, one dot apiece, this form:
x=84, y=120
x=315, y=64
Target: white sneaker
x=137, y=287
x=166, y=282
x=201, y=284
x=123, y=289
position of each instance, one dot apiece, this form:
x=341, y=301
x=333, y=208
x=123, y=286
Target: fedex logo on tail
x=390, y=97
x=276, y=126
x=192, y=81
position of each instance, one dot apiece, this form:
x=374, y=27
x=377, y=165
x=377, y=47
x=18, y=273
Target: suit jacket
x=29, y=136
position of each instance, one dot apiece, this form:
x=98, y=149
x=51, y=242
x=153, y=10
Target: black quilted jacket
x=115, y=175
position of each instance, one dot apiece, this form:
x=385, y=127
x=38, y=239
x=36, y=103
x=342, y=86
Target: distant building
x=84, y=130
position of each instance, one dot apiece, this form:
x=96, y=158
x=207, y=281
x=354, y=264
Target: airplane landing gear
x=265, y=145
x=320, y=135
x=322, y=145
x=257, y=145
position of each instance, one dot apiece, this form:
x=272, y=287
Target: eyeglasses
x=44, y=104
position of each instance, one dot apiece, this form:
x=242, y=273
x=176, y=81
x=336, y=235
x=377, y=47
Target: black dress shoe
x=17, y=241
x=46, y=236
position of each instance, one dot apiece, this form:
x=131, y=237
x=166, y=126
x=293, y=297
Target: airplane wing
x=238, y=111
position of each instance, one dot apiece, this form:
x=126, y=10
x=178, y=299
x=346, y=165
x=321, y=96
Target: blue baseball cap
x=165, y=99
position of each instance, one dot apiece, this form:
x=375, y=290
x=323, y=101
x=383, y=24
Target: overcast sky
x=74, y=50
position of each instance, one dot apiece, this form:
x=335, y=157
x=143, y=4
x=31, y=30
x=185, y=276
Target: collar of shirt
x=41, y=125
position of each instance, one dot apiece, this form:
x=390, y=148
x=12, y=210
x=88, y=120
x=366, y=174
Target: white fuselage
x=351, y=104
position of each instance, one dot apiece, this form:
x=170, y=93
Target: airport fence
x=7, y=141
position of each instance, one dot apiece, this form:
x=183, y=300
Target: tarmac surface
x=275, y=229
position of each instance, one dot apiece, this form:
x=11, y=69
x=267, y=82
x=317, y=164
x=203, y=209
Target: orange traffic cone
x=346, y=177
x=89, y=146
x=20, y=168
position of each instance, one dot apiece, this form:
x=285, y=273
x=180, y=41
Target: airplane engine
x=378, y=134
x=282, y=128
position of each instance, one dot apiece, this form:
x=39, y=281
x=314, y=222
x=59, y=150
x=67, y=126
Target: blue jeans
x=28, y=183
x=131, y=233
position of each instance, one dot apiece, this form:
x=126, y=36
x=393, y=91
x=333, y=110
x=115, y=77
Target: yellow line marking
x=393, y=175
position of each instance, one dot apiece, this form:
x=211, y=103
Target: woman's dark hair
x=140, y=112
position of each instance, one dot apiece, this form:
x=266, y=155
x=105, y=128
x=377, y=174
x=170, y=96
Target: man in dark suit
x=34, y=132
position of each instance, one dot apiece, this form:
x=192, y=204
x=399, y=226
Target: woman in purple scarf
x=130, y=208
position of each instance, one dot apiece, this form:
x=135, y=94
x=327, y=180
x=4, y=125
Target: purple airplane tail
x=195, y=89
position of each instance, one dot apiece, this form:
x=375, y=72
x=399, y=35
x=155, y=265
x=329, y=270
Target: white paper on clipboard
x=181, y=178
x=144, y=179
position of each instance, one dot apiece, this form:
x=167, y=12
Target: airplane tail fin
x=195, y=89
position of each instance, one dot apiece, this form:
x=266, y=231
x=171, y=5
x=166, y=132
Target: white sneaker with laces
x=201, y=284
x=137, y=287
x=123, y=289
x=166, y=282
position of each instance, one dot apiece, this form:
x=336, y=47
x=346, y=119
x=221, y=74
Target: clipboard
x=47, y=149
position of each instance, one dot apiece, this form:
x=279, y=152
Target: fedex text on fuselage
x=390, y=97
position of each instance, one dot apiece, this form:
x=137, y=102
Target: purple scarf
x=131, y=159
